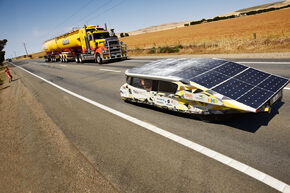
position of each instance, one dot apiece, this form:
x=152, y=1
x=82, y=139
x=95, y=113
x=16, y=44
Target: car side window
x=141, y=83
x=146, y=84
x=136, y=82
x=128, y=80
x=155, y=85
x=167, y=87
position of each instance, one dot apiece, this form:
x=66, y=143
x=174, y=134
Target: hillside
x=158, y=28
x=266, y=32
x=168, y=26
x=259, y=7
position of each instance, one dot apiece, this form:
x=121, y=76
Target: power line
x=75, y=13
x=92, y=13
x=99, y=7
x=114, y=6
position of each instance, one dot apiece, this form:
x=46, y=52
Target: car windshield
x=101, y=35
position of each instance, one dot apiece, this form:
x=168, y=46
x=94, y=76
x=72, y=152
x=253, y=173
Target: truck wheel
x=77, y=59
x=99, y=59
x=81, y=59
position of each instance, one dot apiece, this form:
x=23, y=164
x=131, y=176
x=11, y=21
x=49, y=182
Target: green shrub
x=162, y=49
x=153, y=50
x=180, y=46
x=168, y=49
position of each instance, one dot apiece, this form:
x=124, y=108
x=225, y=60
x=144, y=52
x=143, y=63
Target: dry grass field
x=31, y=56
x=38, y=55
x=266, y=32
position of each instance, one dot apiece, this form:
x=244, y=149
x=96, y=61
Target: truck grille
x=113, y=45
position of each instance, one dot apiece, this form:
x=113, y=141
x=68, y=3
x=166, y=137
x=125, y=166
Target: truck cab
x=102, y=45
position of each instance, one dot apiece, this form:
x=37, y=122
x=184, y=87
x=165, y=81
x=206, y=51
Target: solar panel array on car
x=238, y=82
x=248, y=86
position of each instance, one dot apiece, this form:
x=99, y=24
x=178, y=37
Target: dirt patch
x=35, y=155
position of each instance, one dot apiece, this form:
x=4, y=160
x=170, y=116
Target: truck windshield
x=101, y=35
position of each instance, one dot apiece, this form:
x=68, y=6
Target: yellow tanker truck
x=87, y=43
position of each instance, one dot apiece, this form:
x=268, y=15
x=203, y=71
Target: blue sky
x=34, y=21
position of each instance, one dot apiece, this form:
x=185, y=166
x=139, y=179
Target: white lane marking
x=109, y=70
x=264, y=62
x=63, y=65
x=254, y=173
x=287, y=88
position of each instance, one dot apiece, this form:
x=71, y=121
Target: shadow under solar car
x=203, y=86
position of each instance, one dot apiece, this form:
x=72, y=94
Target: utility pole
x=25, y=48
x=106, y=27
x=15, y=54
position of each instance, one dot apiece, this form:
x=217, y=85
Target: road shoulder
x=35, y=155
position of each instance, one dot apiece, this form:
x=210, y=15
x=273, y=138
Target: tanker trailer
x=84, y=44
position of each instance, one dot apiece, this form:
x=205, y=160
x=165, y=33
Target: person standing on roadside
x=8, y=74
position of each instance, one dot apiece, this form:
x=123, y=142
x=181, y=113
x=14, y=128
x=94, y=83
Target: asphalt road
x=137, y=160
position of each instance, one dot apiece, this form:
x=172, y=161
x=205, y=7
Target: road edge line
x=243, y=168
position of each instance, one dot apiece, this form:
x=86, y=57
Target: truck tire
x=81, y=59
x=99, y=59
x=77, y=59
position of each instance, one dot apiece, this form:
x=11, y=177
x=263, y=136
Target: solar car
x=203, y=86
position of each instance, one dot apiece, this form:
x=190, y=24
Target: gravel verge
x=35, y=155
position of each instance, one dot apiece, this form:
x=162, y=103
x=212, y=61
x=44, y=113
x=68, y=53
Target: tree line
x=2, y=53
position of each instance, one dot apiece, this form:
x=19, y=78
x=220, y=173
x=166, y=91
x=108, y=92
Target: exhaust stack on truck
x=88, y=43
